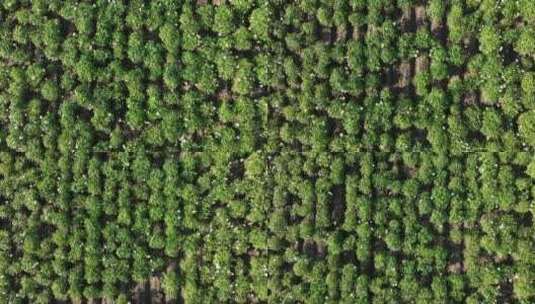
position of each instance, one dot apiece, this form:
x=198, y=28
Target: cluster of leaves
x=249, y=151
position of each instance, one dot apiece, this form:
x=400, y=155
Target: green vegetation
x=253, y=151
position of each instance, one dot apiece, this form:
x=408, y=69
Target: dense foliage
x=267, y=151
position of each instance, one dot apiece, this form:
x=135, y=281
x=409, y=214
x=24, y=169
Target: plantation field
x=267, y=151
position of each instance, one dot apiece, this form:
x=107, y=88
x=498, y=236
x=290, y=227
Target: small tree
x=525, y=45
x=260, y=20
x=526, y=127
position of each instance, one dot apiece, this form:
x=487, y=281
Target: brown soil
x=455, y=268
x=313, y=249
x=338, y=207
x=141, y=293
x=390, y=76
x=404, y=75
x=156, y=291
x=439, y=31
x=422, y=64
x=407, y=21
x=223, y=95
x=326, y=35
x=356, y=33
x=341, y=33
x=253, y=252
x=421, y=17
